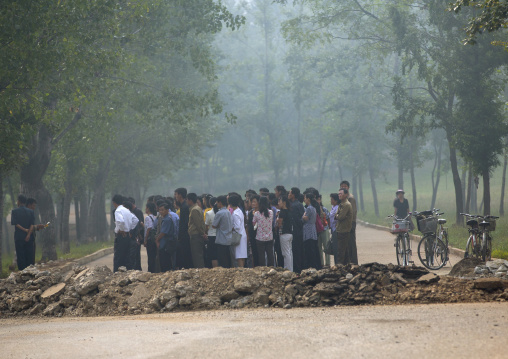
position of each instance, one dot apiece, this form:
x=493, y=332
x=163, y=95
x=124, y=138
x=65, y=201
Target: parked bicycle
x=401, y=227
x=479, y=243
x=473, y=245
x=433, y=247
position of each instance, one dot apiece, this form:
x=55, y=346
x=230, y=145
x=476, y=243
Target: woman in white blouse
x=239, y=227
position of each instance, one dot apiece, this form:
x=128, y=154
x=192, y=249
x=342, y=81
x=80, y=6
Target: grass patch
x=77, y=251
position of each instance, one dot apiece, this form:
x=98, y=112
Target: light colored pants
x=286, y=247
x=323, y=239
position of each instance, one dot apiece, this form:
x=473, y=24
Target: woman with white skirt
x=239, y=227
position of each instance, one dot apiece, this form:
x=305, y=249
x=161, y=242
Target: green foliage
x=492, y=16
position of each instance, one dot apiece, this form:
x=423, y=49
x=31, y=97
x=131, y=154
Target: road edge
x=414, y=237
x=88, y=258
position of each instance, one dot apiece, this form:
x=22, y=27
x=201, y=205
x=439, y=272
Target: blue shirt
x=309, y=226
x=167, y=227
x=224, y=224
x=176, y=222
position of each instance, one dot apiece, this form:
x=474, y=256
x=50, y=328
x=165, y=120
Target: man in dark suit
x=184, y=256
x=24, y=220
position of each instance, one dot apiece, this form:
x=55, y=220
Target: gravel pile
x=99, y=292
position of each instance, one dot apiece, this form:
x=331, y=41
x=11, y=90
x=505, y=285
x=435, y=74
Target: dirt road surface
x=423, y=331
x=373, y=246
x=419, y=331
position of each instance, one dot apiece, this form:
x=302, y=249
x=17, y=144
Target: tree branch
x=69, y=127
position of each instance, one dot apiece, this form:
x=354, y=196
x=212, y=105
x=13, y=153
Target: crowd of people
x=286, y=228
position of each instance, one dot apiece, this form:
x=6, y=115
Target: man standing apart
x=297, y=212
x=344, y=218
x=353, y=253
x=23, y=219
x=124, y=221
x=197, y=231
x=184, y=258
x=223, y=223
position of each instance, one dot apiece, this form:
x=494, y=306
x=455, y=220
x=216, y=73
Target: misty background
x=140, y=98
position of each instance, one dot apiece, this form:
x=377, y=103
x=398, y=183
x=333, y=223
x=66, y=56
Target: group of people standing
x=285, y=228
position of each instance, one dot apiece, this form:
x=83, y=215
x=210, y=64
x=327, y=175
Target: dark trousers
x=353, y=253
x=265, y=247
x=311, y=254
x=197, y=245
x=135, y=255
x=254, y=249
x=341, y=247
x=167, y=260
x=223, y=255
x=24, y=253
x=184, y=256
x=122, y=251
x=279, y=260
x=151, y=253
x=297, y=251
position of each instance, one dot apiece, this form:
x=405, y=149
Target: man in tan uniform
x=353, y=253
x=344, y=218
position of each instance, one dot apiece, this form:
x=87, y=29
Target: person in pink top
x=264, y=236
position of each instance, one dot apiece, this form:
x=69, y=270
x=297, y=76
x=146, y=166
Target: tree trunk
x=341, y=176
x=323, y=167
x=32, y=185
x=97, y=222
x=436, y=173
x=456, y=180
x=354, y=181
x=66, y=209
x=463, y=182
x=373, y=186
x=400, y=166
x=413, y=180
x=469, y=190
x=503, y=184
x=83, y=216
x=486, y=193
x=360, y=191
x=474, y=197
x=76, y=216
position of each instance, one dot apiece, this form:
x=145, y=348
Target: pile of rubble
x=98, y=291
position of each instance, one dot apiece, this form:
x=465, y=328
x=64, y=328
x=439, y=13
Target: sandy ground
x=421, y=331
x=373, y=246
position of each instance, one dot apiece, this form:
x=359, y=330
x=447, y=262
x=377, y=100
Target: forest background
x=140, y=98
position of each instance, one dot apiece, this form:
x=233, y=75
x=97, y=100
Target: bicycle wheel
x=407, y=240
x=432, y=252
x=400, y=247
x=486, y=247
x=473, y=248
x=445, y=242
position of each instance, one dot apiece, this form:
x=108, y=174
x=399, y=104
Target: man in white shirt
x=125, y=221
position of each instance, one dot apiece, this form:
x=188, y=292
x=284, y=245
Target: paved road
x=373, y=246
x=413, y=331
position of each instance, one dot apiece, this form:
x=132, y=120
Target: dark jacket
x=25, y=217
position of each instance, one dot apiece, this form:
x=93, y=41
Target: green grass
x=77, y=251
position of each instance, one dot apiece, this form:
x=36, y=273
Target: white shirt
x=209, y=216
x=125, y=220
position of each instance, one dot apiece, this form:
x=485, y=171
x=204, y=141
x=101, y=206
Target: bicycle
x=402, y=242
x=473, y=245
x=487, y=225
x=433, y=247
